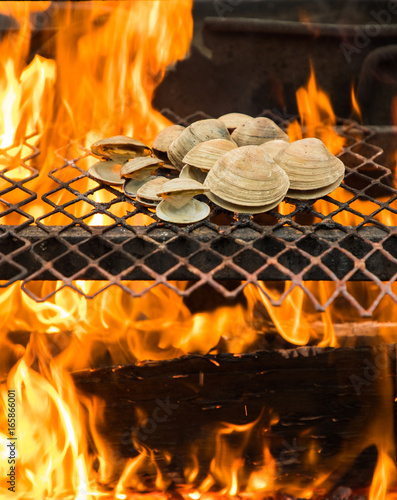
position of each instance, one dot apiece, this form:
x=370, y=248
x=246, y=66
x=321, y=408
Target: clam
x=205, y=154
x=247, y=180
x=312, y=170
x=146, y=194
x=120, y=148
x=178, y=204
x=197, y=132
x=189, y=172
x=257, y=131
x=233, y=120
x=107, y=172
x=137, y=172
x=163, y=140
x=272, y=148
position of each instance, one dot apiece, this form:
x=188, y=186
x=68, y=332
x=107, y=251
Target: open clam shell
x=205, y=154
x=120, y=148
x=233, y=120
x=272, y=148
x=197, y=132
x=178, y=205
x=164, y=139
x=179, y=191
x=146, y=194
x=189, y=172
x=257, y=131
x=312, y=170
x=132, y=186
x=107, y=172
x=141, y=167
x=247, y=180
x=193, y=211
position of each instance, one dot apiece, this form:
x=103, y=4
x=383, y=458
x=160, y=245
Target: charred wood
x=301, y=399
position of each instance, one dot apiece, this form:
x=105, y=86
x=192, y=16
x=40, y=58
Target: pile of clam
x=240, y=163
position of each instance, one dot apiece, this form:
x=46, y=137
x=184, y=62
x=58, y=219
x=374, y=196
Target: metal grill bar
x=308, y=243
x=243, y=248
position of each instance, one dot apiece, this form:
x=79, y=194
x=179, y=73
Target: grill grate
x=305, y=244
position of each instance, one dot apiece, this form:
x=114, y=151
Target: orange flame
x=107, y=63
x=317, y=117
x=356, y=107
x=108, y=60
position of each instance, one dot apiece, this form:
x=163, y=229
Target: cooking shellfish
x=178, y=204
x=189, y=172
x=205, y=154
x=120, y=148
x=147, y=194
x=272, y=148
x=257, y=131
x=233, y=120
x=164, y=139
x=247, y=180
x=197, y=132
x=312, y=170
x=107, y=172
x=137, y=172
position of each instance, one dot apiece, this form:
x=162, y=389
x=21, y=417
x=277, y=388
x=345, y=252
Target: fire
x=317, y=117
x=355, y=106
x=107, y=61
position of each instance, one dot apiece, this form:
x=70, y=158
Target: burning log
x=298, y=403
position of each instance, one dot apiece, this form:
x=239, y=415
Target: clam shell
x=107, y=172
x=163, y=140
x=309, y=165
x=131, y=186
x=140, y=166
x=120, y=148
x=197, y=132
x=257, y=131
x=247, y=177
x=193, y=211
x=205, y=154
x=233, y=120
x=182, y=186
x=272, y=148
x=312, y=194
x=146, y=194
x=189, y=172
x=178, y=192
x=243, y=209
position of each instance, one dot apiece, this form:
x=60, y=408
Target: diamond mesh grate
x=348, y=236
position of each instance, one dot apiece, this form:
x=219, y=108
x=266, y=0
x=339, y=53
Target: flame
x=385, y=469
x=317, y=117
x=385, y=476
x=355, y=106
x=107, y=61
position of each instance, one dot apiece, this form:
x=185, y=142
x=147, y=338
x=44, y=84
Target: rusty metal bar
x=68, y=249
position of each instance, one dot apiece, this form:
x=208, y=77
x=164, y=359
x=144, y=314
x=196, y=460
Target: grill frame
x=227, y=257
